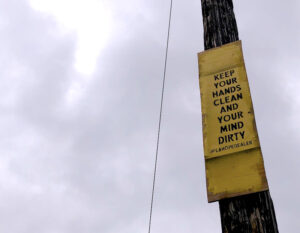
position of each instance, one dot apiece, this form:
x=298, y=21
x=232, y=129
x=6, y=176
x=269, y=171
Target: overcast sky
x=79, y=99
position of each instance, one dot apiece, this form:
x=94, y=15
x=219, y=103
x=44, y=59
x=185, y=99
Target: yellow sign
x=227, y=113
x=234, y=163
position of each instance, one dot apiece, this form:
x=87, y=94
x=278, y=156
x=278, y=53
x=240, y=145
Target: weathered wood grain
x=252, y=213
x=248, y=214
x=219, y=23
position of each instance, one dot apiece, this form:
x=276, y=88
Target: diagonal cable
x=160, y=115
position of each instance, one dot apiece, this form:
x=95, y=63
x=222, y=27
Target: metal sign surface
x=234, y=164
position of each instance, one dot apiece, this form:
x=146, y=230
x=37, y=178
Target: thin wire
x=160, y=116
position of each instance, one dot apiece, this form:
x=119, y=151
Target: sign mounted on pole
x=234, y=163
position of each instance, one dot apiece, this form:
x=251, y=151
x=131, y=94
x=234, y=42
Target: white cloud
x=88, y=167
x=90, y=19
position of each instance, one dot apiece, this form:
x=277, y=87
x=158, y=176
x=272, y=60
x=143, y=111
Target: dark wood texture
x=219, y=23
x=252, y=213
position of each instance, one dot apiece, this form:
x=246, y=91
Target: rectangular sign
x=229, y=128
x=227, y=113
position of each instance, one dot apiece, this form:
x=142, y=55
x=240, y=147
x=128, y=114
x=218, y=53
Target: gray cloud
x=87, y=166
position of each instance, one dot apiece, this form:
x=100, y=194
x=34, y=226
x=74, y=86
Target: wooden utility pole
x=252, y=213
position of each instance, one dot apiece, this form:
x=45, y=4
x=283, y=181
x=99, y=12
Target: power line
x=160, y=115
